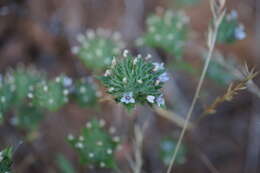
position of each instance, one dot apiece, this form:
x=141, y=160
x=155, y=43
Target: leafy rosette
x=132, y=80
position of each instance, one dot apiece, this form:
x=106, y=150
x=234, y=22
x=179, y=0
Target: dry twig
x=232, y=91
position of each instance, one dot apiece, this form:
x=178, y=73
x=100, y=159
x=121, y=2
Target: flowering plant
x=97, y=48
x=131, y=80
x=167, y=31
x=85, y=92
x=230, y=29
x=95, y=146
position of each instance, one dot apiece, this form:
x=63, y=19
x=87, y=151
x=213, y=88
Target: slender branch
x=138, y=147
x=218, y=14
x=173, y=117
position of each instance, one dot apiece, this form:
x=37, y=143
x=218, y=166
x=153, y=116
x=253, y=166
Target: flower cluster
x=95, y=146
x=28, y=92
x=167, y=31
x=27, y=117
x=167, y=148
x=230, y=29
x=49, y=94
x=14, y=87
x=6, y=160
x=133, y=80
x=97, y=48
x=85, y=92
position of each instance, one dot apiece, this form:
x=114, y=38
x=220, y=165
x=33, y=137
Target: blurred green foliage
x=6, y=160
x=166, y=30
x=97, y=48
x=167, y=148
x=64, y=164
x=95, y=146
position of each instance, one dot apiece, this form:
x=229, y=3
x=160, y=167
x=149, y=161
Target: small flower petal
x=150, y=99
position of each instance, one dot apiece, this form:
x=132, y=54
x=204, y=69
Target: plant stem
x=211, y=44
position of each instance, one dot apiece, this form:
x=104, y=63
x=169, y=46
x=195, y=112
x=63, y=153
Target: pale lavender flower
x=1, y=78
x=158, y=66
x=163, y=77
x=240, y=33
x=160, y=100
x=128, y=98
x=232, y=15
x=67, y=82
x=150, y=99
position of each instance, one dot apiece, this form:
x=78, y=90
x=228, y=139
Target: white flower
x=163, y=77
x=113, y=62
x=75, y=49
x=125, y=53
x=82, y=89
x=102, y=122
x=81, y=138
x=79, y=145
x=150, y=99
x=45, y=88
x=80, y=38
x=140, y=81
x=127, y=98
x=111, y=89
x=158, y=66
x=102, y=164
x=149, y=56
x=90, y=34
x=107, y=73
x=65, y=92
x=109, y=151
x=135, y=61
x=116, y=139
x=30, y=95
x=160, y=100
x=91, y=155
x=124, y=79
x=99, y=143
x=70, y=137
x=240, y=33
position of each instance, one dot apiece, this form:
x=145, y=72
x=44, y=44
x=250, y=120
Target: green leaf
x=6, y=160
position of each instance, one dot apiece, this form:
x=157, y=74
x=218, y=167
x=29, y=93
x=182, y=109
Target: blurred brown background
x=42, y=32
